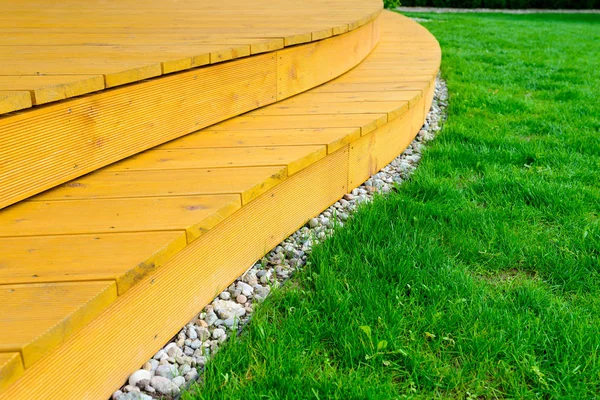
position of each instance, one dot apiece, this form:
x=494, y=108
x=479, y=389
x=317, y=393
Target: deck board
x=295, y=158
x=250, y=182
x=192, y=214
x=184, y=219
x=11, y=367
x=122, y=257
x=37, y=317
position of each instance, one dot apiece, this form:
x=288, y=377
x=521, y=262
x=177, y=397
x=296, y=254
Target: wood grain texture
x=123, y=45
x=192, y=214
x=38, y=317
x=122, y=257
x=11, y=367
x=302, y=68
x=13, y=100
x=250, y=182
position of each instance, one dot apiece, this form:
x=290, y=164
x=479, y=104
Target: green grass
x=479, y=278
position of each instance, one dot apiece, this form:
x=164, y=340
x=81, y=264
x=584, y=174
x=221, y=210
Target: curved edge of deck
x=332, y=137
x=65, y=51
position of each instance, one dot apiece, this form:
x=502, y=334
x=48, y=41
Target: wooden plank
x=54, y=144
x=38, y=317
x=45, y=89
x=333, y=138
x=366, y=122
x=379, y=76
x=183, y=286
x=372, y=87
x=410, y=96
x=295, y=158
x=194, y=214
x=122, y=257
x=391, y=109
x=13, y=100
x=302, y=68
x=11, y=367
x=249, y=182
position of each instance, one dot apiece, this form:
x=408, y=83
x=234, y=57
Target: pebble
x=139, y=375
x=246, y=289
x=192, y=375
x=164, y=385
x=225, y=295
x=131, y=388
x=217, y=333
x=191, y=333
x=165, y=371
x=133, y=396
x=179, y=381
x=184, y=369
x=174, y=365
x=203, y=333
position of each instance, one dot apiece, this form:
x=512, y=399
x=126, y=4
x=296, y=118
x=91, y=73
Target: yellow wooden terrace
x=152, y=151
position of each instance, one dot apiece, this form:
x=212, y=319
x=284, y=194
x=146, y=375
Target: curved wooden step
x=49, y=145
x=174, y=225
x=52, y=51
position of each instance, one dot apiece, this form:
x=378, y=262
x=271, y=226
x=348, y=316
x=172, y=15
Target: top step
x=73, y=48
x=55, y=50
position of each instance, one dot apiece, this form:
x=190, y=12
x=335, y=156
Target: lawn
x=479, y=277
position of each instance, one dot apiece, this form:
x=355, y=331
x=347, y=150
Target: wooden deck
x=170, y=227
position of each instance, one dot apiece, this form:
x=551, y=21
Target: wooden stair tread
x=38, y=317
x=121, y=257
x=42, y=38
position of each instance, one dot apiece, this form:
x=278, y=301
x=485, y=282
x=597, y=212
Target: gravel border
x=181, y=362
x=441, y=10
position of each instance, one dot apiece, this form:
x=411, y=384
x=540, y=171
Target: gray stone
x=313, y=222
x=143, y=383
x=133, y=396
x=225, y=295
x=241, y=299
x=188, y=351
x=201, y=360
x=217, y=333
x=195, y=344
x=246, y=289
x=149, y=389
x=159, y=355
x=179, y=381
x=191, y=375
x=164, y=385
x=191, y=333
x=138, y=376
x=131, y=388
x=184, y=369
x=203, y=333
x=211, y=317
x=165, y=371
